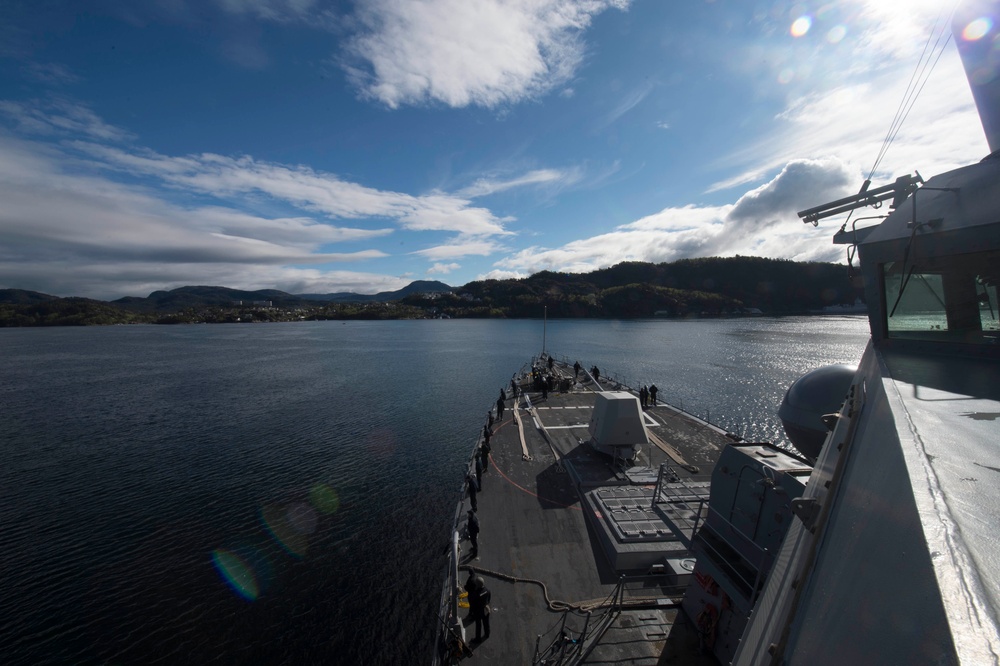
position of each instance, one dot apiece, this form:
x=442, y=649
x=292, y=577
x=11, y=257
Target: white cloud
x=844, y=105
x=67, y=214
x=761, y=223
x=271, y=10
x=502, y=275
x=52, y=73
x=304, y=188
x=68, y=233
x=800, y=184
x=487, y=53
x=459, y=247
x=442, y=269
x=486, y=186
x=627, y=103
x=59, y=116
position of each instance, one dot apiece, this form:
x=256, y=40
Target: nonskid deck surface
x=534, y=528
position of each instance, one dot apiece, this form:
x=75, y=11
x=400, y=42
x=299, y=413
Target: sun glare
x=977, y=29
x=801, y=26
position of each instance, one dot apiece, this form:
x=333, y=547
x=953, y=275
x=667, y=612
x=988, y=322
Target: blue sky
x=315, y=146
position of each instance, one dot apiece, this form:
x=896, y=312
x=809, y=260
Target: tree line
x=689, y=287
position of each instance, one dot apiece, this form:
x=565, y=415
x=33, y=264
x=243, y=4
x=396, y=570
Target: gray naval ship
x=615, y=531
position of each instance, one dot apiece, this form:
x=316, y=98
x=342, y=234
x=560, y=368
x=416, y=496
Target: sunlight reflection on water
x=177, y=494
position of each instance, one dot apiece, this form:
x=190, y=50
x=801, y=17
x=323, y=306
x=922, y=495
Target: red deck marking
x=516, y=485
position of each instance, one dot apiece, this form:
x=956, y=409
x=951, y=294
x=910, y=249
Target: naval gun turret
x=616, y=427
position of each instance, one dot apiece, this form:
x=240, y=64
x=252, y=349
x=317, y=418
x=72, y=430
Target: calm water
x=281, y=493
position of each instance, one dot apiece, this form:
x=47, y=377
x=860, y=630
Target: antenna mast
x=545, y=323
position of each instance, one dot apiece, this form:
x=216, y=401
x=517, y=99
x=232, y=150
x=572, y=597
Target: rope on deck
x=558, y=606
x=520, y=432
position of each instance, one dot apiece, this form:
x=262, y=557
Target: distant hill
x=46, y=310
x=24, y=297
x=200, y=297
x=418, y=287
x=689, y=287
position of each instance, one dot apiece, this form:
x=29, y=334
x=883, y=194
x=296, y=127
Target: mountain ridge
x=711, y=286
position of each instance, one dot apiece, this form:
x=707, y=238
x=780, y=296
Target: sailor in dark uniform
x=479, y=608
x=473, y=529
x=473, y=489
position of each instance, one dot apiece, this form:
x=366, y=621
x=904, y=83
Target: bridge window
x=945, y=298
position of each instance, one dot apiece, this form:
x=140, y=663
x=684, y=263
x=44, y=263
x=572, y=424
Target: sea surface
x=281, y=493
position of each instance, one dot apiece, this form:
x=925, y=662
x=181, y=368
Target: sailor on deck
x=473, y=529
x=473, y=489
x=479, y=607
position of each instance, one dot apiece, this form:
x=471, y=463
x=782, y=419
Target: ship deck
x=548, y=538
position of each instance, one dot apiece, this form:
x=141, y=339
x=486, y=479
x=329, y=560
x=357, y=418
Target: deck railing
x=620, y=382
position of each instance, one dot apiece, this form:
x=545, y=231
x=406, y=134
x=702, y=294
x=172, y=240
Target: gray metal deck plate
x=630, y=513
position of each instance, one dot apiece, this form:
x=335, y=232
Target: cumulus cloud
x=459, y=53
x=442, y=269
x=801, y=184
x=761, y=223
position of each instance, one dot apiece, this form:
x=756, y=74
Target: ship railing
x=674, y=489
x=451, y=633
x=754, y=561
x=620, y=382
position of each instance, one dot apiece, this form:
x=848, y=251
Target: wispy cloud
x=941, y=132
x=58, y=116
x=303, y=187
x=486, y=53
x=270, y=10
x=87, y=214
x=842, y=96
x=486, y=186
x=459, y=247
x=73, y=234
x=51, y=73
x=627, y=103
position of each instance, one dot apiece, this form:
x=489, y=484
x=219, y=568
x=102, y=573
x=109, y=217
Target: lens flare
x=977, y=29
x=285, y=525
x=801, y=26
x=324, y=498
x=237, y=573
x=836, y=34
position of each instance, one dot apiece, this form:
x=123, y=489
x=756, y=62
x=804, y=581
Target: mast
x=545, y=322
